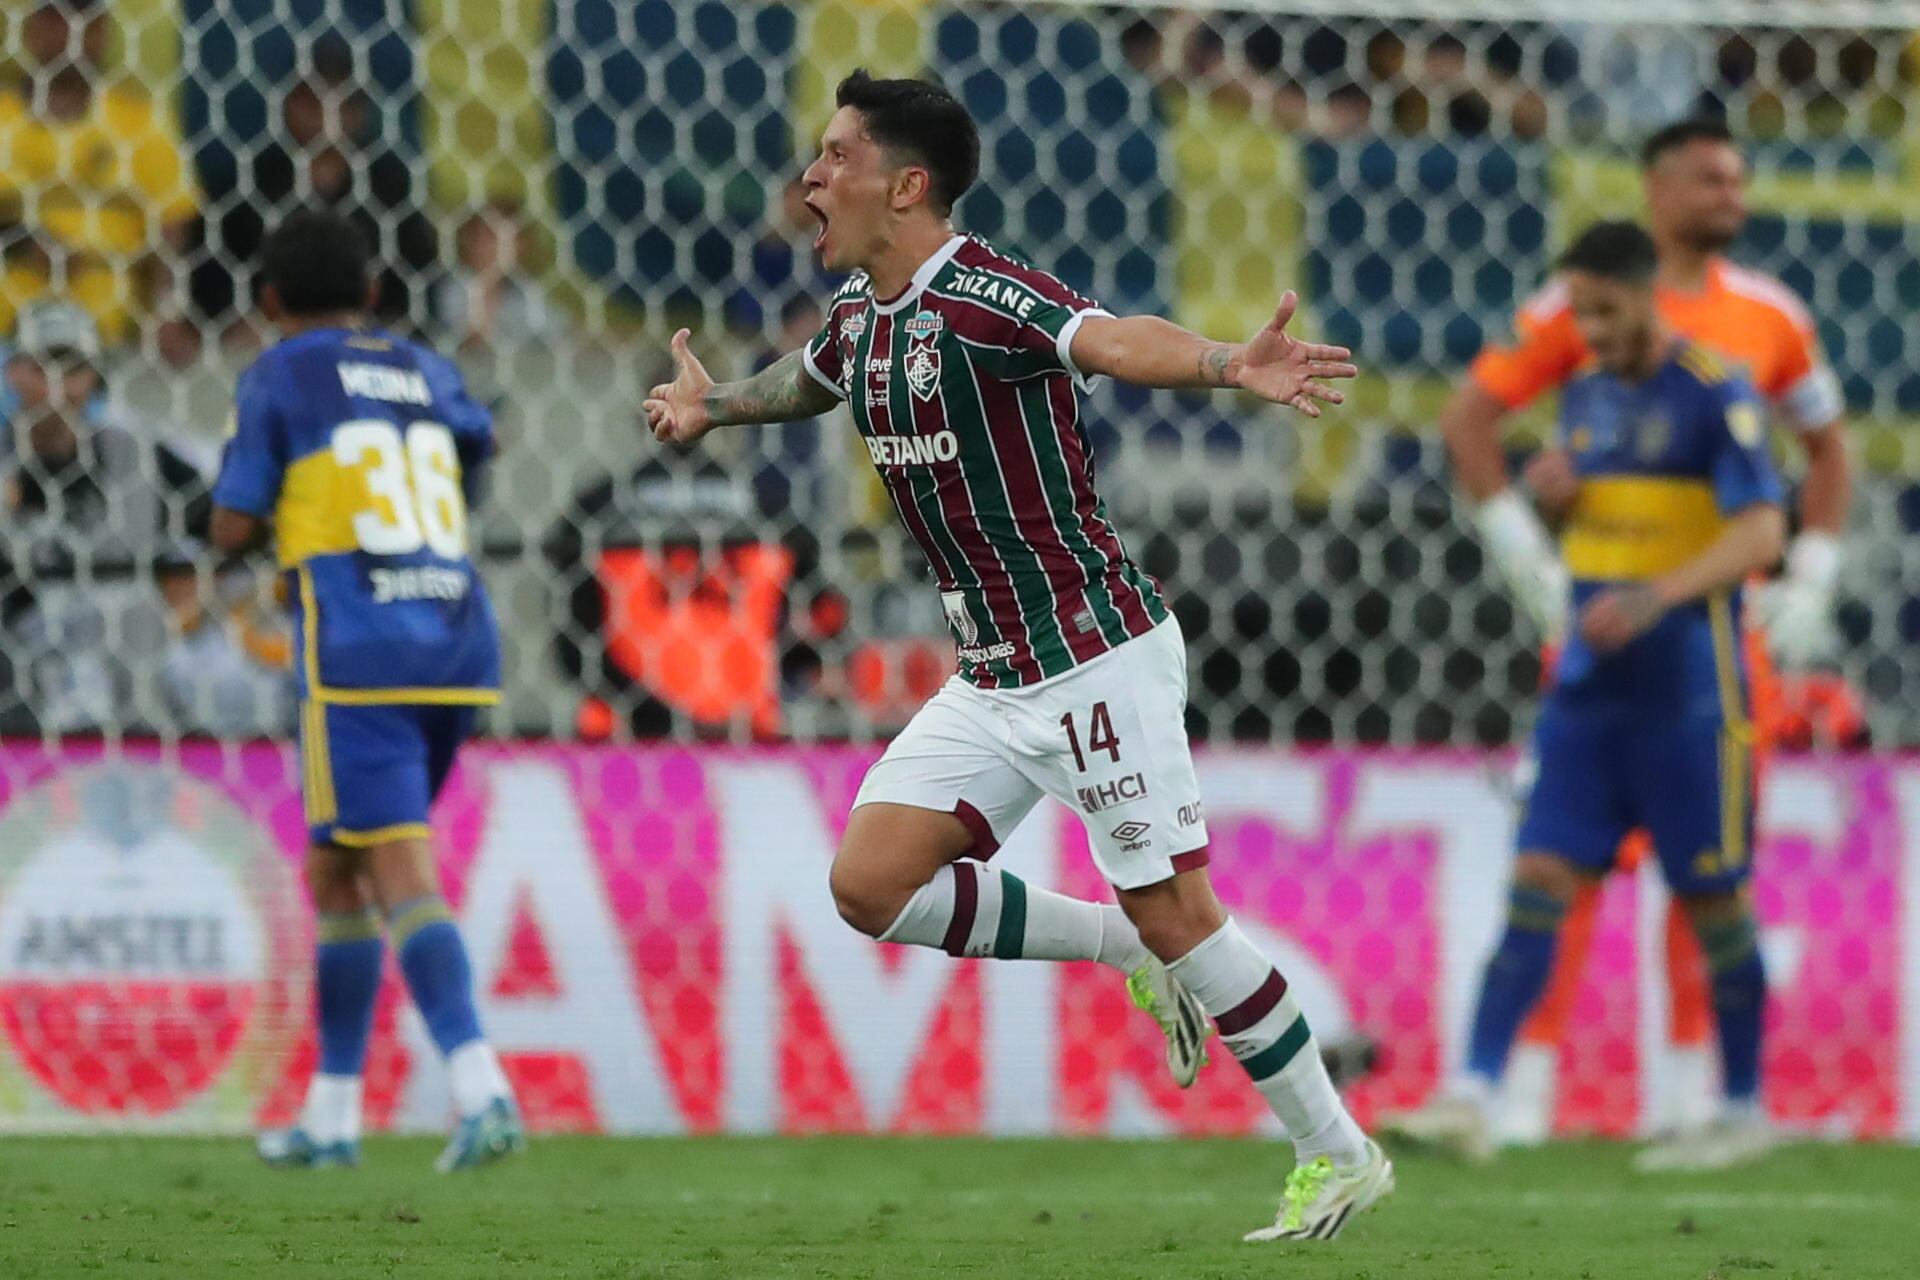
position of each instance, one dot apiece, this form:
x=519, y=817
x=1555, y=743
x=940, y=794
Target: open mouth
x=821, y=238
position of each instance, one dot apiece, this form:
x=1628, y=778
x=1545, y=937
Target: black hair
x=318, y=262
x=1682, y=133
x=1617, y=250
x=920, y=120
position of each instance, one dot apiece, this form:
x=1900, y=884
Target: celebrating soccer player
x=1647, y=724
x=358, y=453
x=961, y=368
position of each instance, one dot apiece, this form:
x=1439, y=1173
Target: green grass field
x=946, y=1208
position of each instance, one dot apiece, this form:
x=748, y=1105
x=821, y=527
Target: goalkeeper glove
x=1797, y=611
x=1525, y=556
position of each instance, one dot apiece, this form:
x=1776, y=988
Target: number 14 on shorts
x=1100, y=736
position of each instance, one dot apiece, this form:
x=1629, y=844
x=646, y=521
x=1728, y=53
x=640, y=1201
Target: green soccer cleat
x=1319, y=1200
x=295, y=1149
x=491, y=1134
x=1160, y=995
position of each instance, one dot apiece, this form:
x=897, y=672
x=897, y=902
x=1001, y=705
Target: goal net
x=704, y=649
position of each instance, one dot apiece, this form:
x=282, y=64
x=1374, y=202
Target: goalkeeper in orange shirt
x=1694, y=178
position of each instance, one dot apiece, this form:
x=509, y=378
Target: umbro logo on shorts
x=1130, y=831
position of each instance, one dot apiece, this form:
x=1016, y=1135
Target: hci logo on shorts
x=1105, y=795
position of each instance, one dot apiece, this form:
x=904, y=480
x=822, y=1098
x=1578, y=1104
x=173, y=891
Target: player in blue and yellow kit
x=1647, y=726
x=358, y=454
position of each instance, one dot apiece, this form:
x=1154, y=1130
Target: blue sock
x=346, y=980
x=1739, y=1001
x=1515, y=977
x=434, y=961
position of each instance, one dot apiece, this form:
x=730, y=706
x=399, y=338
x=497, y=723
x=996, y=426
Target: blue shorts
x=1606, y=770
x=369, y=774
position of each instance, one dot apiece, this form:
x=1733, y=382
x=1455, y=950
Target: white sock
x=1263, y=1027
x=476, y=1076
x=1693, y=1086
x=1120, y=945
x=971, y=910
x=332, y=1110
x=1470, y=1086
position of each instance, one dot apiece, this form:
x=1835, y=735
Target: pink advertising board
x=657, y=951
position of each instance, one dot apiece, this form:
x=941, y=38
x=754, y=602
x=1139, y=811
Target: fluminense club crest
x=923, y=370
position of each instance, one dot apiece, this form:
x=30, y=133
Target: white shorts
x=1108, y=739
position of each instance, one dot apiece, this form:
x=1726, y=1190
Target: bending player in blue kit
x=358, y=453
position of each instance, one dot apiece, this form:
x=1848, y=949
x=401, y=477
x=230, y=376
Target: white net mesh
x=556, y=186
x=553, y=188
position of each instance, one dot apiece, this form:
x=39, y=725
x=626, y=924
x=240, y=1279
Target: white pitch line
x=1769, y=1201
x=1649, y=1200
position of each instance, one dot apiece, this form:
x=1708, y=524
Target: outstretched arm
x=693, y=404
x=1151, y=352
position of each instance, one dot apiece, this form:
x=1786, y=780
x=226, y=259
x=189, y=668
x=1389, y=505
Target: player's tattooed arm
x=1273, y=365
x=781, y=392
x=693, y=404
x=1214, y=363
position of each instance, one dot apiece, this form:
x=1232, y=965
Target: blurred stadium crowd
x=553, y=187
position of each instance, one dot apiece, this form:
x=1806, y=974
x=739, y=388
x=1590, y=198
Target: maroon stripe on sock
x=1190, y=859
x=984, y=845
x=966, y=905
x=1255, y=1007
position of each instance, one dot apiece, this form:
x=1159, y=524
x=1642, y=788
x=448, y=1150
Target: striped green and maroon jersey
x=966, y=394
